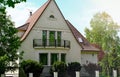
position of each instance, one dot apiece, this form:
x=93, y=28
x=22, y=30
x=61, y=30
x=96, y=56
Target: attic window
x=80, y=40
x=52, y=16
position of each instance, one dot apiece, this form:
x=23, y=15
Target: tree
x=9, y=42
x=10, y=3
x=104, y=33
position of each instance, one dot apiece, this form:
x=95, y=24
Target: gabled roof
x=23, y=27
x=34, y=18
x=81, y=39
x=86, y=46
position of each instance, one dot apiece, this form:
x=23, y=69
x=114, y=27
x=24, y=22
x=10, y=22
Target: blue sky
x=78, y=12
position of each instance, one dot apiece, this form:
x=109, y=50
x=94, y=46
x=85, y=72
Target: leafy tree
x=104, y=33
x=10, y=3
x=9, y=41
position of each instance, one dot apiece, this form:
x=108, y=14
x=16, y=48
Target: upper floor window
x=44, y=37
x=58, y=38
x=51, y=38
x=52, y=16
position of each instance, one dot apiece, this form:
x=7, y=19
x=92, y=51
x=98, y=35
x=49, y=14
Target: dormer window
x=80, y=40
x=52, y=16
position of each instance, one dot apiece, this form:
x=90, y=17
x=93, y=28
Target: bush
x=73, y=67
x=22, y=73
x=59, y=67
x=91, y=68
x=30, y=66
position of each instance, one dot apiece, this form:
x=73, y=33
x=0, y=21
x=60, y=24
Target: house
x=48, y=37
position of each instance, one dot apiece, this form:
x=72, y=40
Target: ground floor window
x=50, y=58
x=63, y=57
x=54, y=57
x=43, y=58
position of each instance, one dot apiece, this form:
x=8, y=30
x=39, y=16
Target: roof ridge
x=34, y=18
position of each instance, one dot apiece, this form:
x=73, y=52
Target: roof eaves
x=86, y=46
x=70, y=25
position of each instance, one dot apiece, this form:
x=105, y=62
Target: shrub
x=30, y=66
x=59, y=67
x=74, y=66
x=91, y=68
x=22, y=73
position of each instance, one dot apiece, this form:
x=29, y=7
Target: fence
x=77, y=74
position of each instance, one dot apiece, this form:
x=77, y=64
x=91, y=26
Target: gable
x=49, y=17
x=52, y=19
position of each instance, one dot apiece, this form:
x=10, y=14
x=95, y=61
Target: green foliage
x=103, y=31
x=74, y=66
x=110, y=61
x=10, y=3
x=3, y=64
x=30, y=66
x=22, y=73
x=91, y=68
x=59, y=67
x=9, y=41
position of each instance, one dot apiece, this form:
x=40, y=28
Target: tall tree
x=10, y=3
x=103, y=32
x=9, y=41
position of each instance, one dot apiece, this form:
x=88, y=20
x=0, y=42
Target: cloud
x=20, y=13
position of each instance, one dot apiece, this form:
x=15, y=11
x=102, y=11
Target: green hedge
x=30, y=66
x=74, y=66
x=59, y=67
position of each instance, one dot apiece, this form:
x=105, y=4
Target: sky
x=78, y=12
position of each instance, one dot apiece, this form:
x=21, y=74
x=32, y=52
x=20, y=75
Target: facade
x=48, y=37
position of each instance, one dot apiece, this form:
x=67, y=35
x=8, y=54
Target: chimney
x=30, y=13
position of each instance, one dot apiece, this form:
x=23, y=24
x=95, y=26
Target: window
x=58, y=38
x=63, y=57
x=52, y=16
x=44, y=37
x=54, y=58
x=52, y=38
x=43, y=58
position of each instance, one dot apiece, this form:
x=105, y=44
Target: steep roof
x=23, y=27
x=86, y=46
x=34, y=18
x=81, y=39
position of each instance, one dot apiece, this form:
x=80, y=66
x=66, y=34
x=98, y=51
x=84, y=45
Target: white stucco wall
x=58, y=24
x=89, y=58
